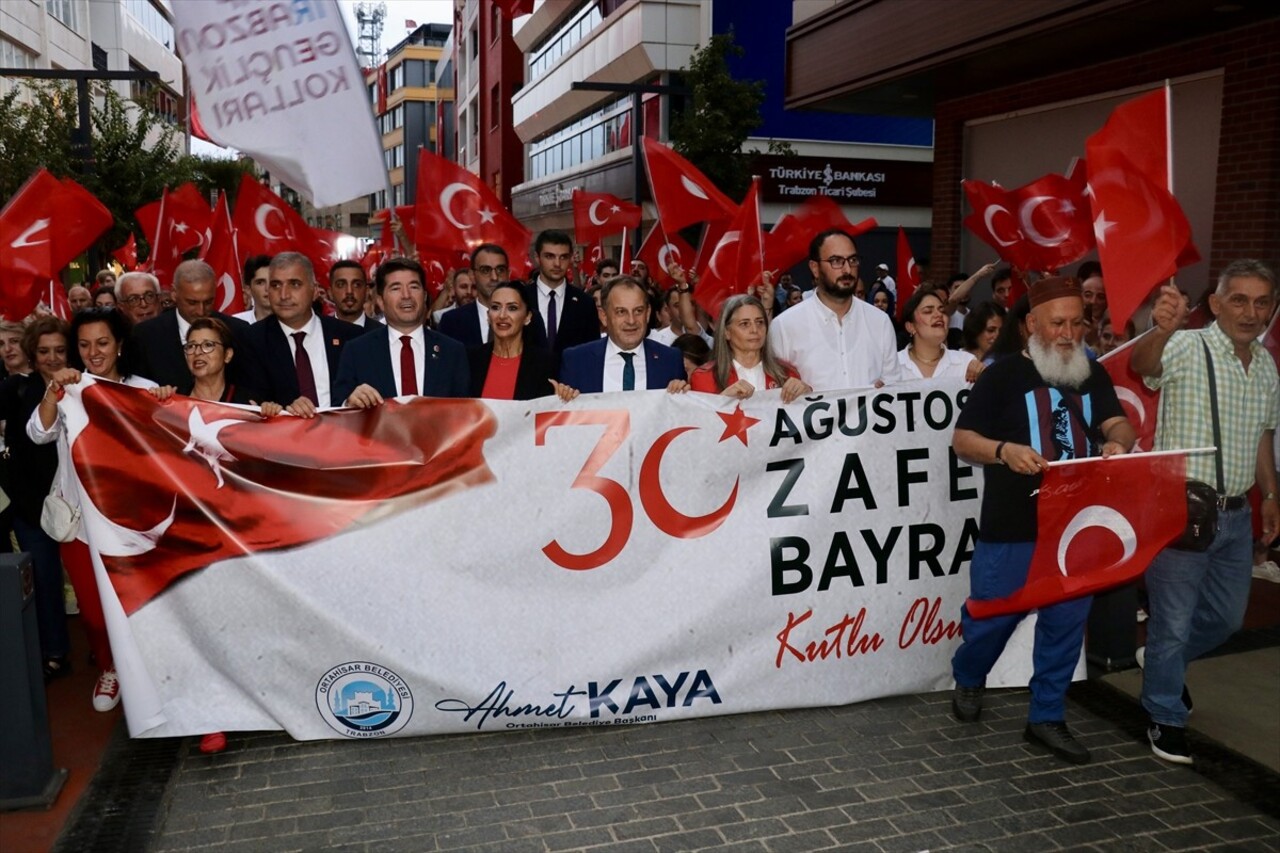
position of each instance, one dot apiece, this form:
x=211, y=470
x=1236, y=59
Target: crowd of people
x=300, y=348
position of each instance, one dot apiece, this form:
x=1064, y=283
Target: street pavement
x=895, y=774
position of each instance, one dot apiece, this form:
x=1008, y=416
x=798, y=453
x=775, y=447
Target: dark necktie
x=551, y=321
x=628, y=371
x=408, y=370
x=302, y=363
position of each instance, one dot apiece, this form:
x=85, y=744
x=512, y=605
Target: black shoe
x=1057, y=739
x=56, y=668
x=1186, y=698
x=1169, y=743
x=966, y=703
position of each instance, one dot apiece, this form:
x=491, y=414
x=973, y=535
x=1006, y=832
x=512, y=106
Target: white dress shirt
x=313, y=343
x=483, y=312
x=614, y=364
x=183, y=327
x=954, y=362
x=833, y=353
x=248, y=316
x=753, y=375
x=544, y=302
x=418, y=343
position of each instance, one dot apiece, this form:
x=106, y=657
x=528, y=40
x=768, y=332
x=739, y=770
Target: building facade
x=489, y=76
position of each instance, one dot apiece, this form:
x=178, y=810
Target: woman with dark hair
x=510, y=366
x=742, y=359
x=695, y=349
x=208, y=350
x=31, y=469
x=981, y=327
x=926, y=355
x=1013, y=333
x=102, y=347
x=104, y=297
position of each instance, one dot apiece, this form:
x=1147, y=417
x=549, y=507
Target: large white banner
x=443, y=566
x=279, y=81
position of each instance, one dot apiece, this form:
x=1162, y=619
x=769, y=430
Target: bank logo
x=360, y=699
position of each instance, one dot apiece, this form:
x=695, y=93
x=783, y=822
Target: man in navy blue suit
x=406, y=358
x=296, y=349
x=469, y=324
x=623, y=360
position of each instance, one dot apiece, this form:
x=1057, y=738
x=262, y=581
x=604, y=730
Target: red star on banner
x=736, y=424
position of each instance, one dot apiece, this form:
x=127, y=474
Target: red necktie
x=408, y=372
x=306, y=376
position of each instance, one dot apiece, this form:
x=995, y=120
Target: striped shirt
x=1247, y=405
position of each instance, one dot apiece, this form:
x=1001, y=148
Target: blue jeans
x=51, y=608
x=998, y=569
x=1195, y=601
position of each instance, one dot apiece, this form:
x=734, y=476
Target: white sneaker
x=1140, y=656
x=106, y=693
x=1268, y=571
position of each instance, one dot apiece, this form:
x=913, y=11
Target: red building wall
x=1246, y=220
x=501, y=75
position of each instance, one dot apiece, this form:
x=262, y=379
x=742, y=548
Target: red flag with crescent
x=221, y=254
x=660, y=250
x=736, y=261
x=908, y=272
x=596, y=215
x=458, y=211
x=127, y=254
x=1042, y=226
x=1140, y=402
x=1099, y=524
x=682, y=194
x=170, y=488
x=787, y=244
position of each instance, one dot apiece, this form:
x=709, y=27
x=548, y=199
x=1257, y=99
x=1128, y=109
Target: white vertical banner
x=279, y=81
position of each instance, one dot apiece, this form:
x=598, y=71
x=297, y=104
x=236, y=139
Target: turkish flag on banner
x=1142, y=234
x=1140, y=402
x=456, y=210
x=737, y=259
x=1100, y=523
x=221, y=254
x=787, y=244
x=659, y=251
x=682, y=194
x=596, y=215
x=1042, y=226
x=176, y=486
x=45, y=225
x=177, y=223
x=127, y=254
x=908, y=272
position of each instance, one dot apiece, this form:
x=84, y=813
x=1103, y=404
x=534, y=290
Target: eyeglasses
x=500, y=270
x=205, y=347
x=839, y=263
x=139, y=298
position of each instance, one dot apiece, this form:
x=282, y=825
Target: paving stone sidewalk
x=889, y=775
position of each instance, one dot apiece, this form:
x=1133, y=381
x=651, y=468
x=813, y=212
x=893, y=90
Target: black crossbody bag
x=1202, y=499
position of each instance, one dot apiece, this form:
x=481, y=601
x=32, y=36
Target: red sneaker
x=106, y=693
x=213, y=742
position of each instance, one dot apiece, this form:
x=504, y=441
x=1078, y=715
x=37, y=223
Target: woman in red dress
x=510, y=366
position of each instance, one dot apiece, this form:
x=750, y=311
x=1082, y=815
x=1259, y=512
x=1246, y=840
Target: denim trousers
x=51, y=608
x=997, y=570
x=1195, y=601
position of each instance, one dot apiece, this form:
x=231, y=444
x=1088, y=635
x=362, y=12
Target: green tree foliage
x=721, y=113
x=135, y=153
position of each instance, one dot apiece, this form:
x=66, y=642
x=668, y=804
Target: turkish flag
x=325, y=252
x=265, y=224
x=176, y=224
x=171, y=487
x=56, y=299
x=436, y=265
x=458, y=211
x=592, y=256
x=1042, y=226
x=682, y=194
x=787, y=244
x=659, y=251
x=598, y=214
x=738, y=257
x=387, y=237
x=1140, y=402
x=222, y=255
x=127, y=254
x=908, y=272
x=1142, y=234
x=1100, y=522
x=45, y=225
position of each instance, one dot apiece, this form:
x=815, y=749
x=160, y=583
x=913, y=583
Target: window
x=495, y=103
x=495, y=22
x=563, y=40
x=65, y=11
x=12, y=56
x=152, y=20
x=594, y=135
x=395, y=78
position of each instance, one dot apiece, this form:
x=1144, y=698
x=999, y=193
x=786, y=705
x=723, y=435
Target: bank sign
x=896, y=183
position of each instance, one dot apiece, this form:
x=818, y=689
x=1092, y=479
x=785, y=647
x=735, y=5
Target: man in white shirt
x=883, y=277
x=836, y=340
x=565, y=314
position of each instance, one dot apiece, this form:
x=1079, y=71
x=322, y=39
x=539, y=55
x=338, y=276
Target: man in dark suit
x=623, y=360
x=564, y=314
x=297, y=350
x=405, y=358
x=469, y=324
x=159, y=341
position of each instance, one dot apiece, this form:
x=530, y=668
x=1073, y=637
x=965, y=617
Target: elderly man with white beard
x=1049, y=403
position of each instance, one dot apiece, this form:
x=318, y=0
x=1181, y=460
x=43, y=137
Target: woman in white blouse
x=927, y=356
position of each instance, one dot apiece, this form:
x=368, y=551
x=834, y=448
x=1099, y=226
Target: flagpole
x=1149, y=454
x=151, y=260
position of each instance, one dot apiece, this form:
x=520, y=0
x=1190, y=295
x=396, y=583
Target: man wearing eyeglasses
x=159, y=341
x=469, y=324
x=836, y=340
x=138, y=295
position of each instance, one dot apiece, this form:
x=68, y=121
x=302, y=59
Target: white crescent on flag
x=693, y=188
x=988, y=215
x=1026, y=211
x=1098, y=516
x=446, y=200
x=260, y=220
x=591, y=213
